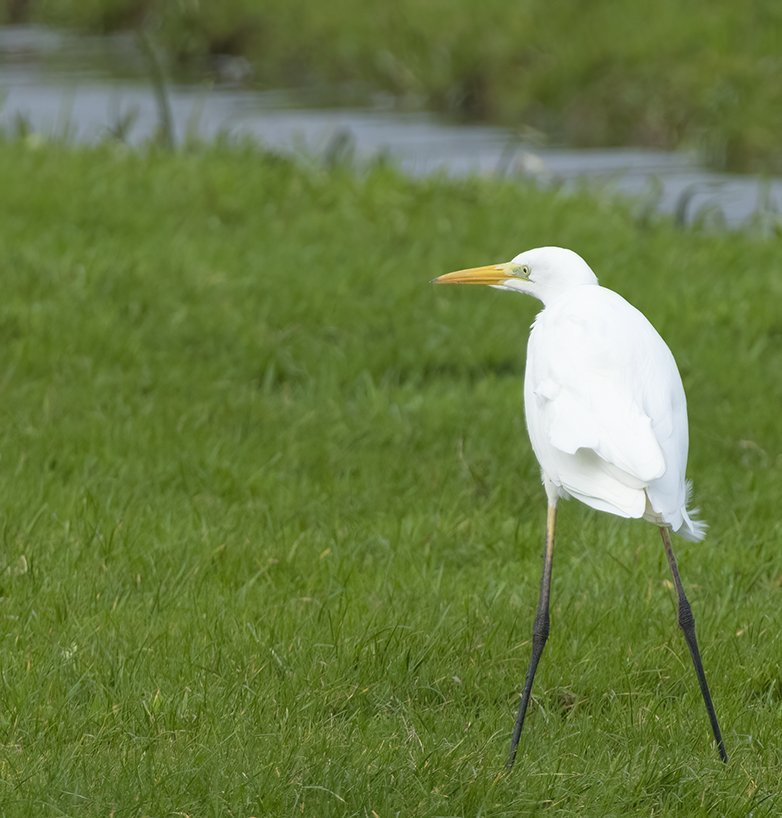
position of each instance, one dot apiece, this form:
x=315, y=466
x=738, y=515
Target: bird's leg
x=687, y=624
x=539, y=631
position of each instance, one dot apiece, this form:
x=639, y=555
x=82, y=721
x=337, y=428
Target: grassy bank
x=272, y=527
x=703, y=75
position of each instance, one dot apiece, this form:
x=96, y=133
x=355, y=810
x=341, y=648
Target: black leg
x=687, y=624
x=539, y=632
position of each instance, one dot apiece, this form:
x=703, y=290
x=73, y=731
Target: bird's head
x=544, y=272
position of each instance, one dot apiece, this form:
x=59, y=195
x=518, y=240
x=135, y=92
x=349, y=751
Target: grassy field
x=272, y=529
x=705, y=74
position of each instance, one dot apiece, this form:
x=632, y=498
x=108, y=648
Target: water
x=61, y=85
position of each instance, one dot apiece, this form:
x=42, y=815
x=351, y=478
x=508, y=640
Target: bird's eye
x=521, y=271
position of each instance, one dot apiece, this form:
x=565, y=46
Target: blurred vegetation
x=700, y=74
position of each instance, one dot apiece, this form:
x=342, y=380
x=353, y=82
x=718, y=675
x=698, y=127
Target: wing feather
x=605, y=405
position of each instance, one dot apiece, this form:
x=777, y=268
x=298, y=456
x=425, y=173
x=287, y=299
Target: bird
x=606, y=415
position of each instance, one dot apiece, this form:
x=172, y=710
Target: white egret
x=607, y=419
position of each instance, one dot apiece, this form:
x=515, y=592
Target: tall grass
x=272, y=528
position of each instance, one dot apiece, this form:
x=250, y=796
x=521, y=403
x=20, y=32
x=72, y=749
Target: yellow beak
x=492, y=274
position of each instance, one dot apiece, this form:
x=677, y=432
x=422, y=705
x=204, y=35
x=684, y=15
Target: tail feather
x=691, y=528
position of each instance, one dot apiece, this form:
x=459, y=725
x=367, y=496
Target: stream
x=60, y=85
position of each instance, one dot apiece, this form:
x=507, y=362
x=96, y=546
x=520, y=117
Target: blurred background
x=703, y=79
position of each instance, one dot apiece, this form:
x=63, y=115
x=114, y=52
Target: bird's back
x=606, y=410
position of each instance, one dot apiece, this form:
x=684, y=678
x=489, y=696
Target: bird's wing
x=599, y=387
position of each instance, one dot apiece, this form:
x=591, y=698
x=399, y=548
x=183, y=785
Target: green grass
x=705, y=74
x=272, y=529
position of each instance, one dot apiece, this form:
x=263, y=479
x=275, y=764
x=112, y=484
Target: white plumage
x=605, y=405
x=604, y=401
x=606, y=416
